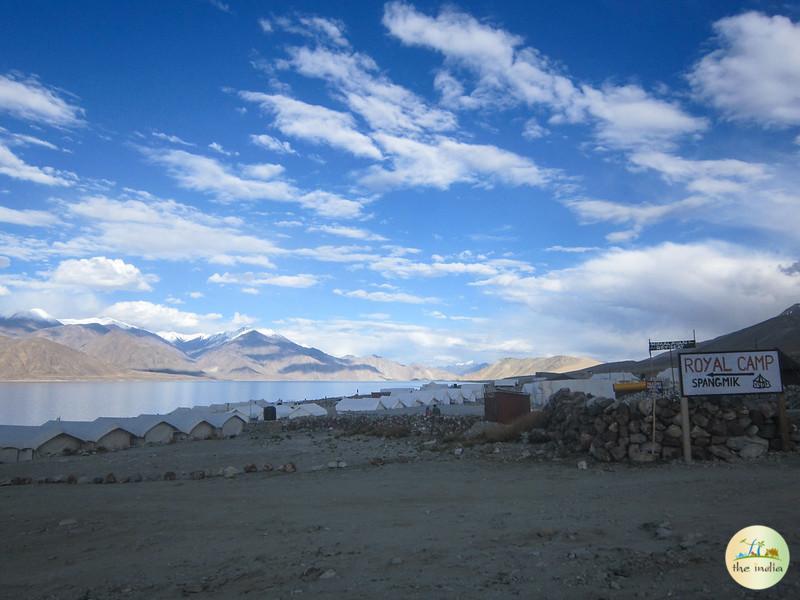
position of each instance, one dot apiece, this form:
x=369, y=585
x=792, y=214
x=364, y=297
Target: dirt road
x=427, y=524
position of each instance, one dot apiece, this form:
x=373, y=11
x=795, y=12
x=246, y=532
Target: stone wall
x=721, y=427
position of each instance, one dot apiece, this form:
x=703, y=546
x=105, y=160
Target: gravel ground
x=403, y=518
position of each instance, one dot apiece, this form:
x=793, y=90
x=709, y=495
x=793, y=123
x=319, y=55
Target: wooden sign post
x=783, y=423
x=687, y=440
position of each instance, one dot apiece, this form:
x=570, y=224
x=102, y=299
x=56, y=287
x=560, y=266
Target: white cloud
x=386, y=296
x=509, y=73
x=30, y=100
x=288, y=223
x=572, y=249
x=27, y=217
x=270, y=143
x=21, y=139
x=265, y=25
x=173, y=139
x=204, y=174
x=355, y=233
x=630, y=295
x=754, y=73
x=196, y=295
x=331, y=29
x=302, y=280
x=160, y=229
x=16, y=168
x=404, y=268
x=219, y=5
x=256, y=182
x=675, y=168
x=315, y=123
x=377, y=334
x=264, y=171
x=157, y=317
x=217, y=147
x=386, y=106
x=533, y=130
x=4, y=262
x=627, y=116
x=447, y=161
x=102, y=273
x=639, y=216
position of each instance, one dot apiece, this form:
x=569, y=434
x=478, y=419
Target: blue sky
x=428, y=182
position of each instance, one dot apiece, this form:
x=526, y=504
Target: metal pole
x=783, y=423
x=687, y=441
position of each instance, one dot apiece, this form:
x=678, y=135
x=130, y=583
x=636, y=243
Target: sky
x=435, y=183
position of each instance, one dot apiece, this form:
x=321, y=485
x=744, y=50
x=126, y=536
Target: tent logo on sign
x=761, y=383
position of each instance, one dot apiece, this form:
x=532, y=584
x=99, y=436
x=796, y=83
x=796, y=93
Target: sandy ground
x=426, y=524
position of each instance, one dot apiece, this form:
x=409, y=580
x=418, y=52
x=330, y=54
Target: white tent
x=394, y=402
x=228, y=424
x=359, y=405
x=30, y=441
x=472, y=392
x=100, y=433
x=455, y=395
x=148, y=429
x=191, y=422
x=392, y=391
x=307, y=409
x=614, y=377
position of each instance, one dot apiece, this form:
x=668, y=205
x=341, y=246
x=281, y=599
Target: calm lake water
x=35, y=403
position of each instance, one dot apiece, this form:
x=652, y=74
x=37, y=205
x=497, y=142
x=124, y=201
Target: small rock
x=83, y=479
x=582, y=466
x=396, y=561
x=97, y=480
x=753, y=451
x=230, y=472
x=329, y=574
x=197, y=475
x=663, y=533
x=267, y=467
x=341, y=464
x=72, y=479
x=458, y=451
x=110, y=478
x=68, y=522
x=251, y=468
x=170, y=476
x=288, y=468
x=525, y=454
x=333, y=464
x=377, y=462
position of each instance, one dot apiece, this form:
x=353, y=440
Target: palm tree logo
x=758, y=545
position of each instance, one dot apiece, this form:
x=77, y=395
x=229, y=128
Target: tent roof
x=359, y=404
x=28, y=436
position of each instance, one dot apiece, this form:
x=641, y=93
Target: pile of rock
x=390, y=426
x=609, y=430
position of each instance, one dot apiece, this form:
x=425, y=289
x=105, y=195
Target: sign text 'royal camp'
x=716, y=373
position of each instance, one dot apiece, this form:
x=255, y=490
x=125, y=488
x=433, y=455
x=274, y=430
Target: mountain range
x=34, y=346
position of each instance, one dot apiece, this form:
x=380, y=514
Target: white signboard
x=715, y=373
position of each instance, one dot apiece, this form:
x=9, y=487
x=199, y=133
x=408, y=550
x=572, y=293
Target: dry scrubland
x=412, y=515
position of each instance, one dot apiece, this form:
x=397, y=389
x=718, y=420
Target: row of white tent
x=20, y=443
x=254, y=409
x=394, y=398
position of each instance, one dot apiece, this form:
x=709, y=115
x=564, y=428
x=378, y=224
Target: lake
x=35, y=403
